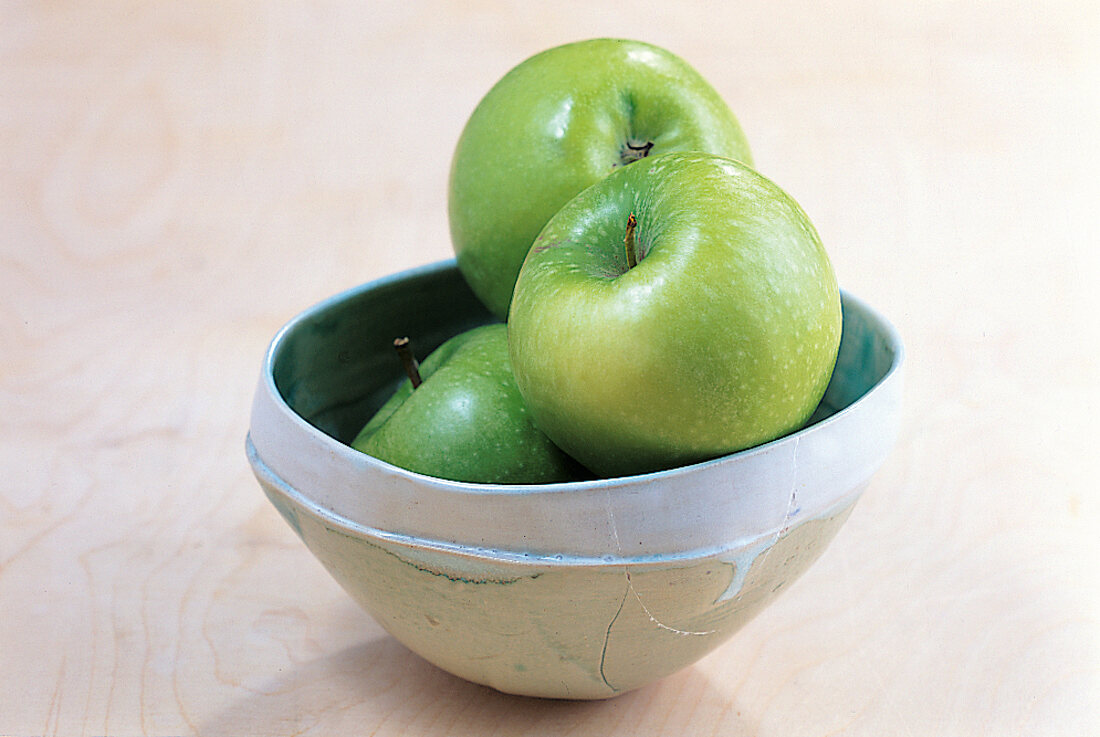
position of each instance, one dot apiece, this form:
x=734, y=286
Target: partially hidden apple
x=720, y=332
x=557, y=123
x=465, y=421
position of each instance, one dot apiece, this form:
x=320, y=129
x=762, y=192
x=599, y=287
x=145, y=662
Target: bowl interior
x=334, y=365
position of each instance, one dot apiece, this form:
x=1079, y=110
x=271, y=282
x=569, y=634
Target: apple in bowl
x=459, y=416
x=680, y=309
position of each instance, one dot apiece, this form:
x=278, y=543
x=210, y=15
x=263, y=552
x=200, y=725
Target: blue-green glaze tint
x=748, y=331
x=334, y=362
x=556, y=124
x=466, y=421
x=283, y=505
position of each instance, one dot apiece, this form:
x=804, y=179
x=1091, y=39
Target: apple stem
x=634, y=153
x=408, y=360
x=631, y=255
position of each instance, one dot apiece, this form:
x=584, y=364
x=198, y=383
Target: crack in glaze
x=607, y=640
x=658, y=622
x=761, y=549
x=626, y=594
x=790, y=511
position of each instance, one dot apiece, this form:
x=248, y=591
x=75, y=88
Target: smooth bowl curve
x=577, y=590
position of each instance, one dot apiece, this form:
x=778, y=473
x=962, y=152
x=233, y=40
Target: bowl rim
x=271, y=354
x=295, y=459
x=741, y=550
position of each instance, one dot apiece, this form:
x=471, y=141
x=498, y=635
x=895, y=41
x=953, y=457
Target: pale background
x=177, y=180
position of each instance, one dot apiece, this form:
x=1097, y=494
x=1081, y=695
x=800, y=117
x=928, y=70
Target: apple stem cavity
x=408, y=360
x=631, y=253
x=632, y=152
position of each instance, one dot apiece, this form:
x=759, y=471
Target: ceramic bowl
x=580, y=590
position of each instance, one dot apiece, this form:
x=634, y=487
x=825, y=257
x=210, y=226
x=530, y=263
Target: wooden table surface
x=178, y=180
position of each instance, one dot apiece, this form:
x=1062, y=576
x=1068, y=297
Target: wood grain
x=177, y=180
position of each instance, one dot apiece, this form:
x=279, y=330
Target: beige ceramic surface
x=179, y=179
x=559, y=630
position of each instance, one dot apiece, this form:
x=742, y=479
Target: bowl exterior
x=548, y=627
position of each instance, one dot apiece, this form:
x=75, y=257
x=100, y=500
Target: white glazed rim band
x=700, y=507
x=299, y=503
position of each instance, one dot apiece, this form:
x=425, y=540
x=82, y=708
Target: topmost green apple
x=558, y=123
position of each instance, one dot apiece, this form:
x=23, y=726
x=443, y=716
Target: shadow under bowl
x=580, y=590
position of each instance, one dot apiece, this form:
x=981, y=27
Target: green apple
x=721, y=336
x=466, y=421
x=557, y=123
